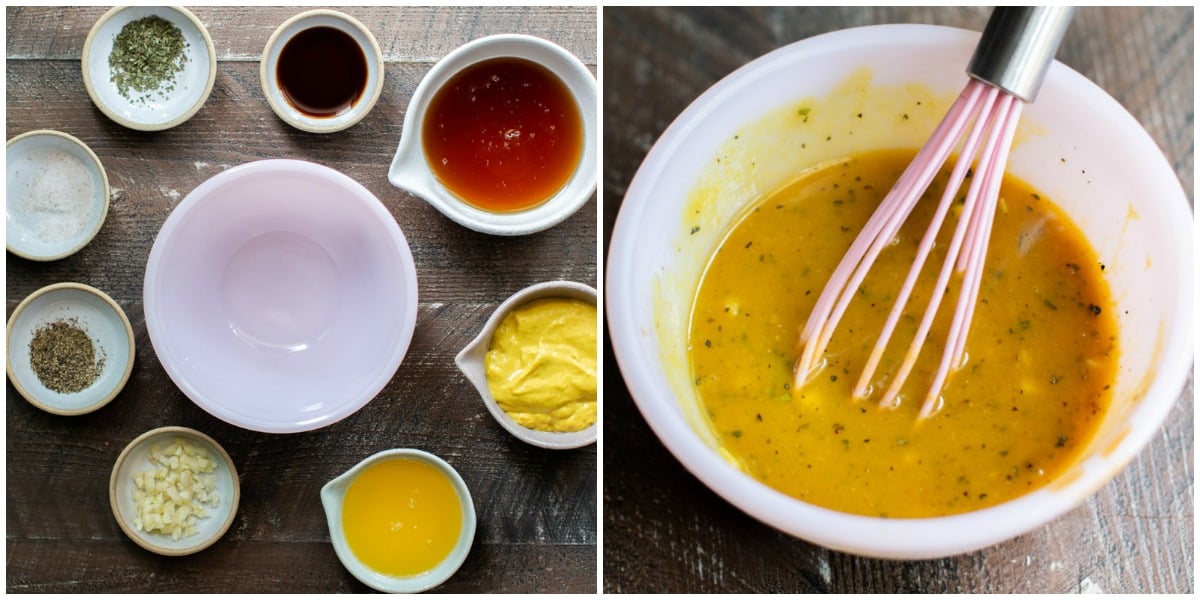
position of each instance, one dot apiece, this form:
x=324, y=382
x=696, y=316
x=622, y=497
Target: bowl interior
x=104, y=323
x=471, y=362
x=1121, y=192
x=38, y=225
x=410, y=170
x=136, y=459
x=168, y=106
x=371, y=53
x=281, y=296
x=333, y=496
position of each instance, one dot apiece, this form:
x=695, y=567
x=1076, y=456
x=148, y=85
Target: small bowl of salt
x=56, y=195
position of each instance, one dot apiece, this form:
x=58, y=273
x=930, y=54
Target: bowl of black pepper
x=69, y=348
x=322, y=71
x=149, y=67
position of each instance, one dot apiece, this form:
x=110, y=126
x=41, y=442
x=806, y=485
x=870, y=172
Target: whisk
x=1006, y=70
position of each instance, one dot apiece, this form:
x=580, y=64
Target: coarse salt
x=59, y=196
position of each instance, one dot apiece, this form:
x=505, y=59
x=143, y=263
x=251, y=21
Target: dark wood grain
x=664, y=531
x=537, y=508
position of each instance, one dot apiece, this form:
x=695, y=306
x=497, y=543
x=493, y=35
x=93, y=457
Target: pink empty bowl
x=280, y=296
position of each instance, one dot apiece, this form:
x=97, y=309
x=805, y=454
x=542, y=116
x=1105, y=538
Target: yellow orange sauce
x=1041, y=355
x=401, y=517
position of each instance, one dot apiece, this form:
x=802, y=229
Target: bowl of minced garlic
x=174, y=491
x=534, y=364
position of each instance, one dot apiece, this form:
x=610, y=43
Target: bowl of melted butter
x=401, y=520
x=1080, y=344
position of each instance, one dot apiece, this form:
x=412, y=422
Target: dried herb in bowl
x=147, y=54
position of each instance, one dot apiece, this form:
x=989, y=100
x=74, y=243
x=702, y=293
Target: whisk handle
x=1017, y=46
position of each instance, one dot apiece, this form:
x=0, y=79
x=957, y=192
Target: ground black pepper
x=63, y=357
x=146, y=54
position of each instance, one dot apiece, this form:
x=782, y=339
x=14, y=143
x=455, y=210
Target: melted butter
x=541, y=367
x=401, y=517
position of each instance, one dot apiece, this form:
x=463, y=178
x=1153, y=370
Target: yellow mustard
x=541, y=366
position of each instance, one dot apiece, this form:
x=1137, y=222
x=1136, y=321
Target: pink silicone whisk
x=1006, y=70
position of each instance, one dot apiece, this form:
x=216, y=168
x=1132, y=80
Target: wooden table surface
x=537, y=508
x=665, y=531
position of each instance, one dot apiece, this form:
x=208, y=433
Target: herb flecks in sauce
x=1004, y=429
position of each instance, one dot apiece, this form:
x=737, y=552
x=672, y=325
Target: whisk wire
x=992, y=163
x=995, y=174
x=966, y=156
x=987, y=119
x=992, y=116
x=880, y=229
x=1013, y=55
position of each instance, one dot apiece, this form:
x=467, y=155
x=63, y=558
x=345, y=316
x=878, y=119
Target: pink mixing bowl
x=280, y=296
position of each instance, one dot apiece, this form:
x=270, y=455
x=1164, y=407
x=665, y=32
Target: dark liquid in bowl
x=503, y=134
x=322, y=71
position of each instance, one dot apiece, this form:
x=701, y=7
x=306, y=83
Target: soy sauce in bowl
x=322, y=71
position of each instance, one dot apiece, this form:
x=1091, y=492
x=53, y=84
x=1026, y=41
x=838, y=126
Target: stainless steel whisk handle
x=1017, y=47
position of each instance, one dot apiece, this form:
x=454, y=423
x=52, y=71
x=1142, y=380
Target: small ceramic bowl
x=136, y=459
x=270, y=62
x=471, y=362
x=280, y=296
x=410, y=169
x=88, y=309
x=173, y=102
x=333, y=495
x=56, y=193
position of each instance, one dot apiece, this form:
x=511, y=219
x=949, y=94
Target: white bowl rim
x=406, y=269
x=99, y=166
x=470, y=362
x=229, y=509
x=333, y=494
x=125, y=373
x=869, y=536
x=210, y=52
x=409, y=170
x=372, y=54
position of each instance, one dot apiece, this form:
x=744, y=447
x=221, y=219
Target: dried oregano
x=147, y=54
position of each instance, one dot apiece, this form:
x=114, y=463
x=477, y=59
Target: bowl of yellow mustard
x=534, y=364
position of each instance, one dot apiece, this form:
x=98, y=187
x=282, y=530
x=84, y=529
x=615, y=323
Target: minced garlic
x=171, y=497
